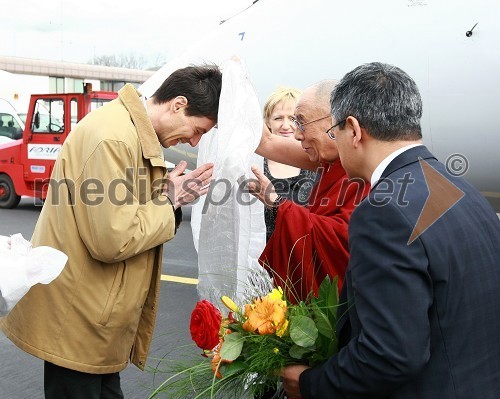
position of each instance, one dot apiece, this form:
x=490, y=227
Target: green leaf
x=298, y=352
x=325, y=347
x=232, y=346
x=303, y=331
x=333, y=296
x=235, y=367
x=301, y=309
x=323, y=323
x=328, y=298
x=325, y=289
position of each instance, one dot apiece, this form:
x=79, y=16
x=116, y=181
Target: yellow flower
x=265, y=316
x=282, y=330
x=276, y=350
x=276, y=294
x=230, y=304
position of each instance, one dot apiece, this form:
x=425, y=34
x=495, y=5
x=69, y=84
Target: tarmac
x=21, y=375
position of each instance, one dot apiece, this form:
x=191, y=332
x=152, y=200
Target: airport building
x=21, y=77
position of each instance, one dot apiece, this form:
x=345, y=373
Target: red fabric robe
x=311, y=242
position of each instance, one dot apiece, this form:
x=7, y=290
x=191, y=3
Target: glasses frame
x=300, y=126
x=330, y=131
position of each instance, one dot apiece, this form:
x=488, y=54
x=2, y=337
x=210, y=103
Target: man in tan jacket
x=110, y=208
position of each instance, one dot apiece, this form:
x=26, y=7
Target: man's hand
x=290, y=376
x=263, y=189
x=184, y=189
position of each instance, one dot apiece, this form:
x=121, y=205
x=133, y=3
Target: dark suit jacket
x=424, y=318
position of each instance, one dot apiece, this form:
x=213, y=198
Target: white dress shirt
x=377, y=173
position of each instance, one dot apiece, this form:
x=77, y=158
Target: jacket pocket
x=113, y=293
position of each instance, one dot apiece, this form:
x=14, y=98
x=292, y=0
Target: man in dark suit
x=422, y=287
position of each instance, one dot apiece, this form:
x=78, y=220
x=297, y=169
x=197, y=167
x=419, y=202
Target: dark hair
x=201, y=85
x=383, y=98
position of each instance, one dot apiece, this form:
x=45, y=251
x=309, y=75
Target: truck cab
x=27, y=160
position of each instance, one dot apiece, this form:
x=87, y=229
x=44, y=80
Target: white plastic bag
x=228, y=223
x=22, y=267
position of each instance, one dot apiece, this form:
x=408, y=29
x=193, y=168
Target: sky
x=79, y=30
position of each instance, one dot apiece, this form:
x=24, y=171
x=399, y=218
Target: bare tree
x=156, y=62
x=131, y=61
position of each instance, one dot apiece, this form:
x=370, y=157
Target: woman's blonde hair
x=281, y=94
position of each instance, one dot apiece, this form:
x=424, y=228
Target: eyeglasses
x=330, y=131
x=300, y=125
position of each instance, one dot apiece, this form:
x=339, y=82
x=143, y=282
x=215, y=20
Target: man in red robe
x=310, y=243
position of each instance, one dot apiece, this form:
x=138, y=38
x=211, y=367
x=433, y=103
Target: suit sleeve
x=391, y=292
x=115, y=226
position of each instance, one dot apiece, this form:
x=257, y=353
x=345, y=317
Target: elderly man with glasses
x=420, y=302
x=310, y=242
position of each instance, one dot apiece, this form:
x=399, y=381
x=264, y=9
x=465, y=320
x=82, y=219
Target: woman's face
x=280, y=120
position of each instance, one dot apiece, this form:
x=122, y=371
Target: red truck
x=27, y=160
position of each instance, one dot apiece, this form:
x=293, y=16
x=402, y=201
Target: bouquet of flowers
x=244, y=350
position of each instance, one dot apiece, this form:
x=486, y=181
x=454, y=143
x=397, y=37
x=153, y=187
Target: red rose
x=205, y=325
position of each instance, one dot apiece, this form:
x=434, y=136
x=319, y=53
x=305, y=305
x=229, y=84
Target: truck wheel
x=8, y=197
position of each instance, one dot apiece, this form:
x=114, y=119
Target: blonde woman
x=290, y=182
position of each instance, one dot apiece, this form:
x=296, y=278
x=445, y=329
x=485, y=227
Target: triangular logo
x=442, y=196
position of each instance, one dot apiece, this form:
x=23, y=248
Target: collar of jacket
x=408, y=157
x=151, y=147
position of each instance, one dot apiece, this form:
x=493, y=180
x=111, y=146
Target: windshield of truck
x=48, y=116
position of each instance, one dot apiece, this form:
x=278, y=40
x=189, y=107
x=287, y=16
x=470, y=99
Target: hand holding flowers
x=245, y=351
